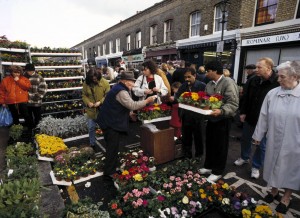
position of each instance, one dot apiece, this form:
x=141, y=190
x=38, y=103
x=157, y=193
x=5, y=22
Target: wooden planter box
x=159, y=144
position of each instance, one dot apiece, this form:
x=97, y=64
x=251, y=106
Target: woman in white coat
x=280, y=120
x=149, y=83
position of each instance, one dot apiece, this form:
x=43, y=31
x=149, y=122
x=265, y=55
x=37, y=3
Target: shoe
x=269, y=198
x=214, y=178
x=240, y=162
x=255, y=173
x=282, y=208
x=204, y=171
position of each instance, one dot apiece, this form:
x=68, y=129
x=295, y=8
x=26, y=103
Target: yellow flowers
x=246, y=213
x=185, y=200
x=225, y=186
x=263, y=209
x=50, y=145
x=213, y=99
x=138, y=177
x=125, y=172
x=195, y=96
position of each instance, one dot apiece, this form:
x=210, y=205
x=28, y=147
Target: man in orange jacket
x=14, y=94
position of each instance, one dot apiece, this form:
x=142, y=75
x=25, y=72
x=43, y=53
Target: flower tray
x=157, y=120
x=56, y=182
x=83, y=179
x=39, y=156
x=195, y=109
x=76, y=138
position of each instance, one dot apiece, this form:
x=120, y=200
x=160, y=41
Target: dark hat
x=250, y=67
x=127, y=75
x=29, y=67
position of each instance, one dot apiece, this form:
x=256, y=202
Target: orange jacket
x=14, y=92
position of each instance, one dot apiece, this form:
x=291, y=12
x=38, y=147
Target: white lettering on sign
x=272, y=39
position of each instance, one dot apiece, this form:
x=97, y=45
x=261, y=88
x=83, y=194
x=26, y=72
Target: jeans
x=92, y=131
x=246, y=145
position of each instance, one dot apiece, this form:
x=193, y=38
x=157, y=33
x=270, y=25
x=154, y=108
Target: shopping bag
x=5, y=117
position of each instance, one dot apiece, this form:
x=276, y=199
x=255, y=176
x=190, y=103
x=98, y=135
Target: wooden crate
x=159, y=144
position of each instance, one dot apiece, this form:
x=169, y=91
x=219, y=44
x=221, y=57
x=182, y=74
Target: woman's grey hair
x=292, y=68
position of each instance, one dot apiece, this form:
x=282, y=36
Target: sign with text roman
x=272, y=39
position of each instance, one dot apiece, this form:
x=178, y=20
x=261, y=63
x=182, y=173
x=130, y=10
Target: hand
x=242, y=118
x=133, y=116
x=148, y=91
x=255, y=142
x=90, y=104
x=3, y=105
x=171, y=98
x=156, y=89
x=151, y=99
x=16, y=78
x=97, y=104
x=216, y=112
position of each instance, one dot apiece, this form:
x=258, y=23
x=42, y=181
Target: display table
x=158, y=144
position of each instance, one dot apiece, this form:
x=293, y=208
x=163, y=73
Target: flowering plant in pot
x=201, y=100
x=154, y=111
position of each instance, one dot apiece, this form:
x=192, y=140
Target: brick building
x=191, y=30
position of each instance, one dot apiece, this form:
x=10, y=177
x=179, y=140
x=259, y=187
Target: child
x=175, y=121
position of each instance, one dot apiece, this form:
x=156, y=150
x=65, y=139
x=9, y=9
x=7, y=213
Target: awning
x=150, y=53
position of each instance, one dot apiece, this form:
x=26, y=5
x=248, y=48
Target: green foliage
x=85, y=208
x=15, y=131
x=20, y=149
x=19, y=198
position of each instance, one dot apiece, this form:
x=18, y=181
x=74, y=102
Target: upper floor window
x=90, y=52
x=266, y=11
x=219, y=17
x=168, y=28
x=111, y=47
x=99, y=49
x=94, y=52
x=298, y=11
x=128, y=42
x=118, y=45
x=104, y=49
x=138, y=39
x=153, y=34
x=195, y=24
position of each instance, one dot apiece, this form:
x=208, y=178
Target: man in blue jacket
x=113, y=118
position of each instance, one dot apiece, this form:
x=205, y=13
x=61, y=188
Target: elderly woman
x=279, y=120
x=150, y=83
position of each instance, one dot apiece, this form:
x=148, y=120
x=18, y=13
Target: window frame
x=111, y=47
x=153, y=34
x=118, y=45
x=264, y=8
x=138, y=39
x=128, y=42
x=195, y=25
x=104, y=48
x=218, y=20
x=168, y=30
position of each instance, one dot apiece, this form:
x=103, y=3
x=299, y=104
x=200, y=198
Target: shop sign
x=133, y=58
x=272, y=39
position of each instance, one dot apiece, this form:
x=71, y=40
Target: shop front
x=268, y=43
x=201, y=50
x=133, y=58
x=114, y=59
x=162, y=54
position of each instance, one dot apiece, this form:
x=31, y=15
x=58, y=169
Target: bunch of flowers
x=138, y=203
x=49, y=145
x=201, y=100
x=182, y=194
x=154, y=111
x=135, y=157
x=237, y=202
x=260, y=211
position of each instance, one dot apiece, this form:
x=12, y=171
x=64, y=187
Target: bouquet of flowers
x=154, y=111
x=201, y=100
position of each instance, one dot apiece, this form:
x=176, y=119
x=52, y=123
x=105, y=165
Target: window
x=128, y=42
x=218, y=19
x=99, y=48
x=104, y=49
x=153, y=34
x=138, y=39
x=111, y=47
x=195, y=24
x=118, y=45
x=168, y=27
x=90, y=52
x=298, y=11
x=266, y=11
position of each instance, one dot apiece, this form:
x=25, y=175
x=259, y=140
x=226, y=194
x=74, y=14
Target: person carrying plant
x=192, y=122
x=94, y=91
x=36, y=93
x=113, y=118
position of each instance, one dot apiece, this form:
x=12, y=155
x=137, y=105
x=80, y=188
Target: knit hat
x=29, y=67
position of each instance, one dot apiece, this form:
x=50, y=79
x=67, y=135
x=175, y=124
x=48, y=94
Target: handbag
x=5, y=117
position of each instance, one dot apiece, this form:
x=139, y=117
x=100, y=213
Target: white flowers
x=225, y=201
x=88, y=184
x=245, y=203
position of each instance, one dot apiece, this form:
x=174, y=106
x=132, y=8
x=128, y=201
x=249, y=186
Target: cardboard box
x=158, y=144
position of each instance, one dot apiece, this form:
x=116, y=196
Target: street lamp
x=223, y=5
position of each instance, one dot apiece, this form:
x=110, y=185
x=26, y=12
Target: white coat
x=280, y=119
x=141, y=84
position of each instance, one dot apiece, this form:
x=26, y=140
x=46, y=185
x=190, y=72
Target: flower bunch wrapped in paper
x=154, y=111
x=201, y=100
